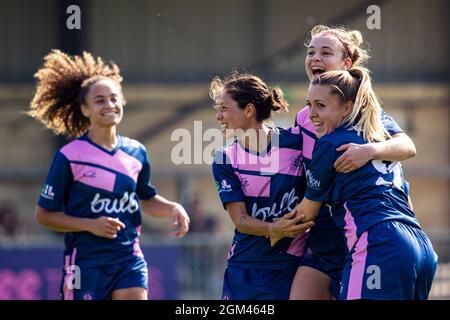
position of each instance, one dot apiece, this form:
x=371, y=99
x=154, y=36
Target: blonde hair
x=355, y=85
x=63, y=83
x=353, y=39
x=246, y=88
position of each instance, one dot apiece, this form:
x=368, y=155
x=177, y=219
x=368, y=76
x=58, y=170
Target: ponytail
x=246, y=88
x=366, y=113
x=278, y=101
x=355, y=85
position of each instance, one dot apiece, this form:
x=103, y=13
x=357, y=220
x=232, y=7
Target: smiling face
x=327, y=111
x=229, y=115
x=325, y=53
x=103, y=105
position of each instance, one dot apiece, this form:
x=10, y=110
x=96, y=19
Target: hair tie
x=275, y=95
x=347, y=52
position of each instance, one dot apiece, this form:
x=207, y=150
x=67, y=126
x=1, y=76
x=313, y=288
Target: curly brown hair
x=62, y=85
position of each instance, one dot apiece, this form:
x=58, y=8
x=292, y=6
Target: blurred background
x=168, y=52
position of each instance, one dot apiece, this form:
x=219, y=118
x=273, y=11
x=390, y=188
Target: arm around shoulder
x=399, y=148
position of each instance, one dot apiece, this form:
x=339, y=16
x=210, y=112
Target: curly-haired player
x=99, y=182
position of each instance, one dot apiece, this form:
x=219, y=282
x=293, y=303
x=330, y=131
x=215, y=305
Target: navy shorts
x=390, y=261
x=98, y=283
x=326, y=252
x=253, y=284
x=326, y=264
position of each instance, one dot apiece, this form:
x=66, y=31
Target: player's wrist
x=177, y=208
x=272, y=229
x=86, y=225
x=373, y=150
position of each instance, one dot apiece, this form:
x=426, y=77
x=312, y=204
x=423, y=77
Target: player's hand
x=106, y=227
x=354, y=157
x=290, y=225
x=180, y=221
x=302, y=228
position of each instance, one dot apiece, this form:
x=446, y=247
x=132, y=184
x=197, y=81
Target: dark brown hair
x=246, y=88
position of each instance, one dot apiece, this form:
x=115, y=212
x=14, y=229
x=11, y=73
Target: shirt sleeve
x=320, y=176
x=301, y=117
x=145, y=190
x=389, y=123
x=227, y=183
x=57, y=184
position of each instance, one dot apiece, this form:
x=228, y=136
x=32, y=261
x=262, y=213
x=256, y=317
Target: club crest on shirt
x=296, y=161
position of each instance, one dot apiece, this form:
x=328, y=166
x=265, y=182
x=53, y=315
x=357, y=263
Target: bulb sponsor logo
x=127, y=204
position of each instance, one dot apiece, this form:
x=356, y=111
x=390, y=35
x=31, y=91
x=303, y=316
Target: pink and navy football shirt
x=88, y=181
x=362, y=198
x=270, y=183
x=324, y=222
